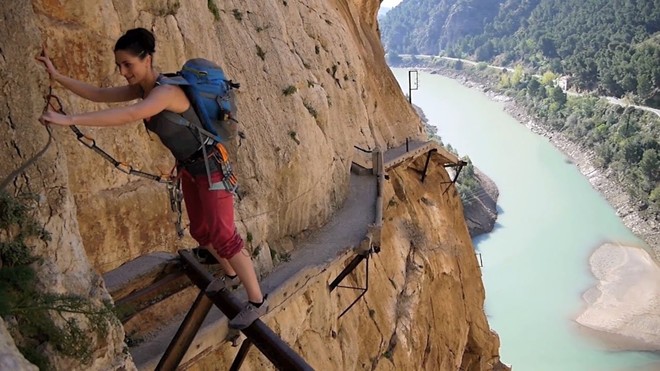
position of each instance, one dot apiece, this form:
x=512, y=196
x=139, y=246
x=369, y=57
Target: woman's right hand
x=50, y=68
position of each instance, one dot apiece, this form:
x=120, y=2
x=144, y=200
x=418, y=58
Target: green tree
x=533, y=87
x=485, y=52
x=650, y=165
x=558, y=95
x=517, y=76
x=548, y=78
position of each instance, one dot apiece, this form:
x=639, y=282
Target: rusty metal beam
x=349, y=268
x=268, y=342
x=459, y=165
x=426, y=166
x=136, y=301
x=240, y=356
x=186, y=333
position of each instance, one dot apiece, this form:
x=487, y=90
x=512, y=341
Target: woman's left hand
x=50, y=117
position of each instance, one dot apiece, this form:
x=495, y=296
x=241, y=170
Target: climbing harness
x=173, y=183
x=176, y=197
x=218, y=153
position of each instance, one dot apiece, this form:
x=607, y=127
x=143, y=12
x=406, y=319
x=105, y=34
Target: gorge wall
x=293, y=166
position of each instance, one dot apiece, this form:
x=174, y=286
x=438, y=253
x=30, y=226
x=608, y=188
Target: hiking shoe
x=223, y=282
x=249, y=314
x=232, y=283
x=216, y=285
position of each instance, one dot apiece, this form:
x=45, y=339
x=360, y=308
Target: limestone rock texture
x=314, y=83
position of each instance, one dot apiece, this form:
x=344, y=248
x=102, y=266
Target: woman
x=211, y=212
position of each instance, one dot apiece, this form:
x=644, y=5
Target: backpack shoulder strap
x=171, y=79
x=180, y=120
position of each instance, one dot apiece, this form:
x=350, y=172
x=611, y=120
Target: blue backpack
x=212, y=98
x=211, y=95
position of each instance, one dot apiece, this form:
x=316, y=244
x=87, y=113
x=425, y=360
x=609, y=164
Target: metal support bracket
x=186, y=333
x=240, y=356
x=350, y=268
x=460, y=166
x=213, y=292
x=426, y=165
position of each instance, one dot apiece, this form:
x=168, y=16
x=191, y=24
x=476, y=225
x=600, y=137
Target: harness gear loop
x=87, y=140
x=175, y=194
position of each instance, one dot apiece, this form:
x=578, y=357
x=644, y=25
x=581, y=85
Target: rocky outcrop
x=10, y=357
x=481, y=205
x=293, y=167
x=481, y=209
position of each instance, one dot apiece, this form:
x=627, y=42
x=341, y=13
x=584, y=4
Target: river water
x=550, y=221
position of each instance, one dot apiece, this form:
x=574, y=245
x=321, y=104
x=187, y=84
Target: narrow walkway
x=344, y=232
x=340, y=235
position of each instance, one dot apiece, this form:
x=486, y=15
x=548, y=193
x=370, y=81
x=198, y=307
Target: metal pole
x=349, y=268
x=240, y=356
x=426, y=166
x=186, y=333
x=409, y=87
x=410, y=84
x=268, y=342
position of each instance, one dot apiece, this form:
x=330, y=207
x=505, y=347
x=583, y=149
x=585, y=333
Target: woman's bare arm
x=96, y=94
x=161, y=98
x=87, y=91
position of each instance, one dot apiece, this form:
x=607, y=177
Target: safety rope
x=173, y=183
x=90, y=143
x=31, y=160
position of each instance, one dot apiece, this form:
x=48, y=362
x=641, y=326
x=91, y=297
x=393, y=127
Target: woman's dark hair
x=139, y=41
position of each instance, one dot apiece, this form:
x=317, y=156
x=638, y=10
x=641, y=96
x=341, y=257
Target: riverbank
x=603, y=181
x=628, y=276
x=625, y=304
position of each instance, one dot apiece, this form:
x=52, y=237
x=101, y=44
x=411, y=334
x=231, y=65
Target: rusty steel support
x=186, y=333
x=458, y=172
x=426, y=166
x=271, y=345
x=240, y=356
x=349, y=268
x=136, y=301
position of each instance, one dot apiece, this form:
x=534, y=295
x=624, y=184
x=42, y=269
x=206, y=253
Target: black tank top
x=182, y=141
x=179, y=139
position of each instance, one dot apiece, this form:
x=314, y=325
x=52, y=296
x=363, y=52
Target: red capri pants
x=211, y=214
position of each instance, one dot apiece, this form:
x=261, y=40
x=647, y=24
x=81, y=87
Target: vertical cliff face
x=293, y=167
x=326, y=54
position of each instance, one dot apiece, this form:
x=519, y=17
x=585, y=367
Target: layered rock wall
x=293, y=166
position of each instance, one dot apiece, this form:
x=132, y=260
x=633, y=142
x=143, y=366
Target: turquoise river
x=550, y=221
